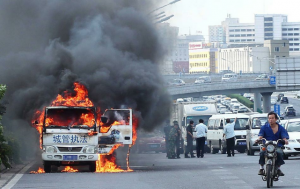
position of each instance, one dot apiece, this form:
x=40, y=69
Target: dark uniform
x=167, y=130
x=171, y=143
x=189, y=139
x=178, y=143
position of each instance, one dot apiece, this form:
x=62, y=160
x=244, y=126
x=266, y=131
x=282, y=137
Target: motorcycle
x=270, y=173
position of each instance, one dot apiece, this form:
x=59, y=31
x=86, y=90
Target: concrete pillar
x=266, y=101
x=257, y=102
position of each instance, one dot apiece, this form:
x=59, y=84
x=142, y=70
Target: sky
x=196, y=15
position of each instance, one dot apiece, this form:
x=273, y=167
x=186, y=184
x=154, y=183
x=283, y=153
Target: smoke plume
x=112, y=47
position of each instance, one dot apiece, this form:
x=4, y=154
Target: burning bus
x=74, y=133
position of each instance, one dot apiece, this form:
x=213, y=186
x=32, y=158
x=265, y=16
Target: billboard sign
x=195, y=45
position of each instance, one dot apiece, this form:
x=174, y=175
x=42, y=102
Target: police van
x=216, y=124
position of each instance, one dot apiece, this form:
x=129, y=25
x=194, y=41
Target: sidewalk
x=7, y=174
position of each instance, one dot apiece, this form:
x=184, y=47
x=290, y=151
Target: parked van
x=253, y=128
x=229, y=77
x=216, y=125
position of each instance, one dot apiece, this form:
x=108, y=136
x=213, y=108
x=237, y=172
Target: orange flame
x=39, y=171
x=69, y=169
x=107, y=164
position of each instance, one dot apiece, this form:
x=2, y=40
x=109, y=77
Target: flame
x=39, y=171
x=69, y=169
x=135, y=123
x=107, y=164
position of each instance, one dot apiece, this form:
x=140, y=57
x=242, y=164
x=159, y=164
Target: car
x=176, y=82
x=225, y=71
x=243, y=110
x=284, y=100
x=289, y=110
x=273, y=101
x=150, y=143
x=229, y=77
x=262, y=77
x=293, y=128
x=203, y=79
x=279, y=96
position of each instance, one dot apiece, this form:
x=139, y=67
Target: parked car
x=284, y=100
x=203, y=79
x=176, y=82
x=150, y=142
x=293, y=128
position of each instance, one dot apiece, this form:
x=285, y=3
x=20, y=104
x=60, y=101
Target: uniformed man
x=172, y=141
x=189, y=140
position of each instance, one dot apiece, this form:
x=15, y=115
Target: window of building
x=268, y=34
x=291, y=49
x=237, y=40
x=296, y=34
x=268, y=19
x=231, y=30
x=284, y=29
x=243, y=35
x=268, y=29
x=276, y=49
x=296, y=29
x=291, y=44
x=284, y=34
x=231, y=40
x=290, y=29
x=238, y=35
x=249, y=29
x=290, y=34
x=296, y=39
x=268, y=24
x=243, y=30
x=296, y=44
x=284, y=38
x=231, y=35
x=249, y=39
x=237, y=30
x=296, y=49
x=290, y=39
x=248, y=35
x=268, y=38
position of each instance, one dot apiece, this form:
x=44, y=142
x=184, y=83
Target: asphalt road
x=292, y=101
x=156, y=171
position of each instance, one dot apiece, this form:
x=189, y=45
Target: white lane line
x=17, y=177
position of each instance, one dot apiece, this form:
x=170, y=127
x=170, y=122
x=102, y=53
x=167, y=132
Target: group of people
x=270, y=131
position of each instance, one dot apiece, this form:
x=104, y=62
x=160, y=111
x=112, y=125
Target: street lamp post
x=231, y=63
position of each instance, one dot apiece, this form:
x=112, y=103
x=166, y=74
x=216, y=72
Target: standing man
x=172, y=141
x=229, y=133
x=201, y=130
x=167, y=130
x=178, y=140
x=189, y=139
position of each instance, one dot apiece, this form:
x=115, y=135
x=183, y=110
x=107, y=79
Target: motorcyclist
x=272, y=131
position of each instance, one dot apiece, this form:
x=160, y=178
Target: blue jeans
x=279, y=160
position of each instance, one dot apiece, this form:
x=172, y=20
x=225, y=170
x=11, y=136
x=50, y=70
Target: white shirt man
x=201, y=131
x=229, y=133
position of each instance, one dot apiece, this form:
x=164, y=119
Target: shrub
x=242, y=100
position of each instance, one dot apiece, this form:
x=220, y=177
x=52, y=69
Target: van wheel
x=92, y=166
x=250, y=151
x=47, y=166
x=285, y=157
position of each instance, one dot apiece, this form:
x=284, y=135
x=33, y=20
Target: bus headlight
x=50, y=149
x=89, y=149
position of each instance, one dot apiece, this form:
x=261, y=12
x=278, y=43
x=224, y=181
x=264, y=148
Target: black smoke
x=112, y=47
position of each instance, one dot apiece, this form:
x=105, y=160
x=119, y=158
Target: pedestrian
x=229, y=133
x=201, y=131
x=189, y=140
x=167, y=130
x=172, y=141
x=178, y=141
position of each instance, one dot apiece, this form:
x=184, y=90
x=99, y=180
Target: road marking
x=17, y=177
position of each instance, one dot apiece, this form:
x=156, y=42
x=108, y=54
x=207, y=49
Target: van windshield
x=257, y=122
x=240, y=123
x=196, y=119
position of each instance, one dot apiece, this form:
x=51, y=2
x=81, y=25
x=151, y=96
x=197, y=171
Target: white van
x=222, y=109
x=229, y=77
x=203, y=79
x=216, y=125
x=253, y=128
